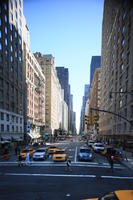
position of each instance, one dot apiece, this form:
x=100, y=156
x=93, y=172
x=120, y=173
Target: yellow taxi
x=52, y=149
x=60, y=155
x=27, y=150
x=117, y=195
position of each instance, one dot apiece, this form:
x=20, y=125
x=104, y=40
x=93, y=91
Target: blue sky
x=71, y=31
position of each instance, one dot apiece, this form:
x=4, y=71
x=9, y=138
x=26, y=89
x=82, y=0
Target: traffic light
x=95, y=118
x=87, y=120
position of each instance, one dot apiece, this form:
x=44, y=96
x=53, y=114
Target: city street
x=49, y=180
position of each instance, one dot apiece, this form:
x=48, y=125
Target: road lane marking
x=53, y=164
x=75, y=158
x=51, y=175
x=117, y=177
x=68, y=175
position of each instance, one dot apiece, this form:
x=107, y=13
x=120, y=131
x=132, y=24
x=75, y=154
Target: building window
x=20, y=120
x=11, y=48
x=16, y=119
x=16, y=15
x=2, y=127
x=15, y=34
x=6, y=53
x=16, y=128
x=11, y=27
x=8, y=128
x=0, y=46
x=20, y=3
x=123, y=29
x=124, y=15
x=11, y=38
x=11, y=5
x=0, y=21
x=15, y=54
x=11, y=16
x=19, y=13
x=5, y=30
x=5, y=18
x=2, y=116
x=122, y=67
x=16, y=25
x=5, y=6
x=7, y=117
x=11, y=58
x=6, y=41
x=16, y=3
x=12, y=128
x=123, y=42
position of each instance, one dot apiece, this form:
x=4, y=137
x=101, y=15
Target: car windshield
x=85, y=150
x=99, y=145
x=59, y=152
x=40, y=150
x=52, y=147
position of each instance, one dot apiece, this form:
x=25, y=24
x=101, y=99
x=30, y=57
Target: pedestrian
x=68, y=165
x=27, y=159
x=16, y=150
x=111, y=162
x=19, y=161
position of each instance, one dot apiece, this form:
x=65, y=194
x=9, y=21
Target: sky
x=70, y=30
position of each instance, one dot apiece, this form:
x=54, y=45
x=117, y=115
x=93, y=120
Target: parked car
x=60, y=155
x=27, y=150
x=85, y=154
x=117, y=195
x=52, y=149
x=98, y=147
x=40, y=154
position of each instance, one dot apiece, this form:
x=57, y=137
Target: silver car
x=40, y=154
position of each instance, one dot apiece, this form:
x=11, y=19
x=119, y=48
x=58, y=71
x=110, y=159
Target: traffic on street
x=42, y=178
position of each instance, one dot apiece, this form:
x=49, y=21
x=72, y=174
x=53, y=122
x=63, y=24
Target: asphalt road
x=47, y=180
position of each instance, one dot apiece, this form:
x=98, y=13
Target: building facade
x=11, y=70
x=82, y=115
x=54, y=93
x=95, y=63
x=117, y=70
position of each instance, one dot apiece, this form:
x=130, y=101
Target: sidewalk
x=129, y=161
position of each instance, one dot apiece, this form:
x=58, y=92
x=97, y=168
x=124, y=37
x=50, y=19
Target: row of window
x=11, y=118
x=11, y=128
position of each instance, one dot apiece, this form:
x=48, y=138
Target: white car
x=98, y=147
x=40, y=154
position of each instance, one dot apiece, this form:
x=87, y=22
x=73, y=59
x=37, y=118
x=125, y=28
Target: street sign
x=28, y=127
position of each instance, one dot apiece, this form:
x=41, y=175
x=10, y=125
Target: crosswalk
x=63, y=164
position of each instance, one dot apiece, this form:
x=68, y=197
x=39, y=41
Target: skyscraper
x=63, y=76
x=11, y=70
x=117, y=70
x=95, y=63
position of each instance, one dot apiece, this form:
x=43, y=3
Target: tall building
x=95, y=63
x=34, y=85
x=82, y=115
x=54, y=94
x=117, y=70
x=63, y=76
x=11, y=70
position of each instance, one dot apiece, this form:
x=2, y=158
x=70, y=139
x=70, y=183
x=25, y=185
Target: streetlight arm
x=106, y=111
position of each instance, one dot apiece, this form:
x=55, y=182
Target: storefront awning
x=34, y=135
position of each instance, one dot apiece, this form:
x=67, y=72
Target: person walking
x=27, y=159
x=68, y=165
x=19, y=161
x=111, y=162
